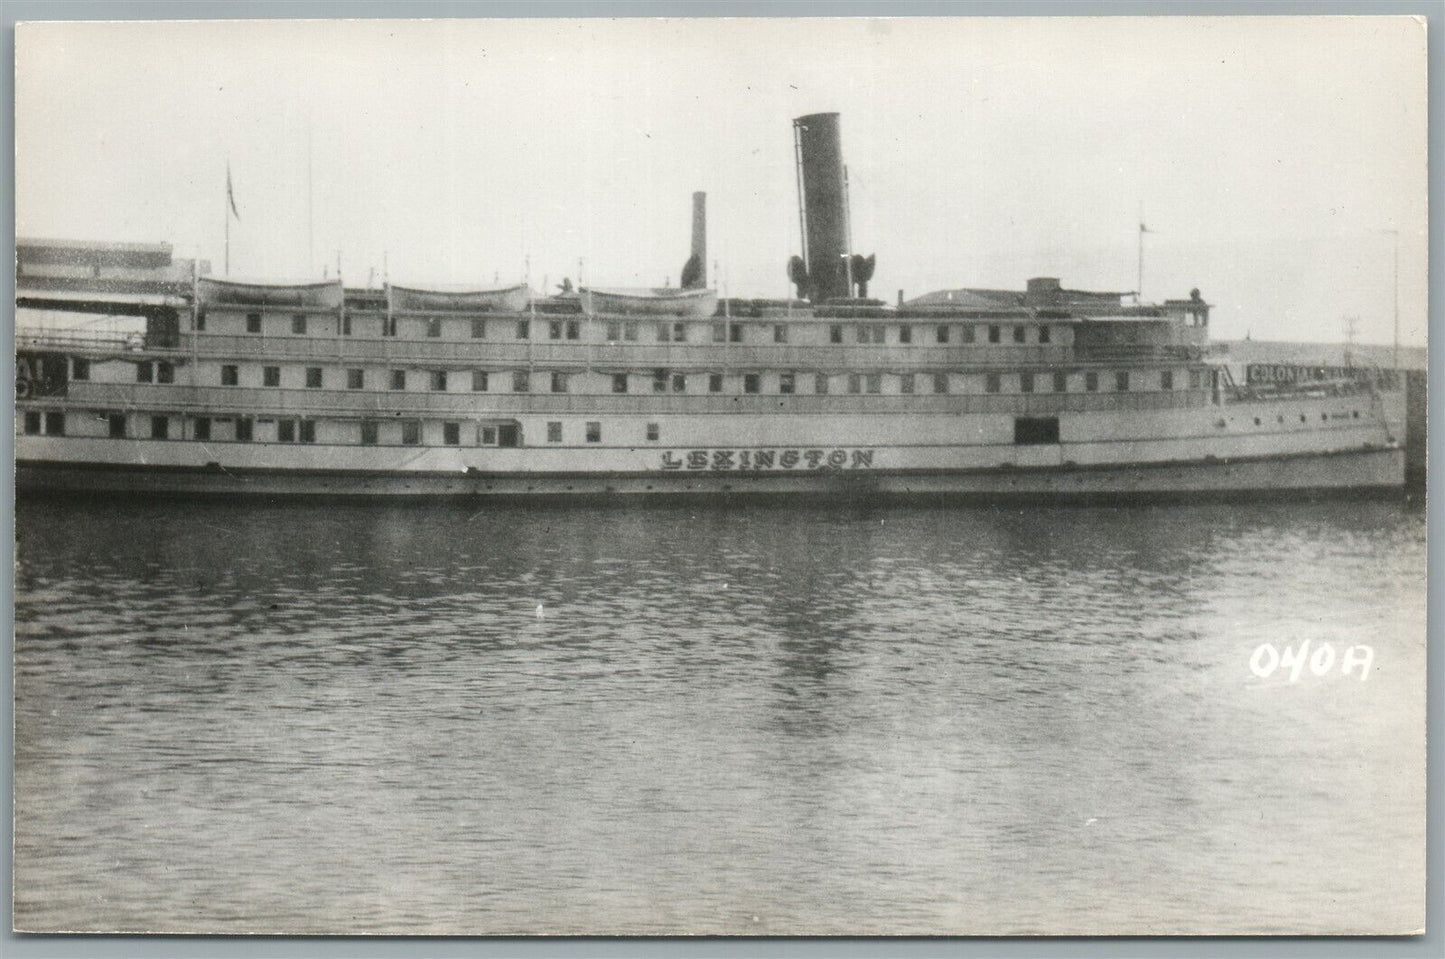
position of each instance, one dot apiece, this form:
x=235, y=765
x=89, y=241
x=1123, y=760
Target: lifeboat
x=658, y=301
x=325, y=295
x=503, y=299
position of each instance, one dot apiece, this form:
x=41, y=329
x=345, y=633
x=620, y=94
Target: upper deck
x=320, y=324
x=224, y=334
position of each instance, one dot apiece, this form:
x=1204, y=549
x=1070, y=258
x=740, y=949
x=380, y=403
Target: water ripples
x=743, y=720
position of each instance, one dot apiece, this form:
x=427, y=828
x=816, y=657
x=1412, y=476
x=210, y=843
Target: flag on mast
x=231, y=193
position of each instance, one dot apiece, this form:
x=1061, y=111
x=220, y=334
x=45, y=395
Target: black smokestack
x=694, y=274
x=824, y=211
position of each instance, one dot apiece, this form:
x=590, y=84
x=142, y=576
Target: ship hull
x=1352, y=472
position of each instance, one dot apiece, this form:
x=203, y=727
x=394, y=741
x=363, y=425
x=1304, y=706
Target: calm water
x=753, y=720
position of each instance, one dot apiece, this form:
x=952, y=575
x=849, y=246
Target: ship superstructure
x=233, y=387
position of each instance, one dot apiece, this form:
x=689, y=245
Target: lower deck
x=1305, y=442
x=1335, y=473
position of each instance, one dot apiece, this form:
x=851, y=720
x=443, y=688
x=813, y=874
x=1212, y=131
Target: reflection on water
x=753, y=719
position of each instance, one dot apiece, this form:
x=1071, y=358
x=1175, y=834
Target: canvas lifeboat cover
x=325, y=295
x=464, y=299
x=650, y=301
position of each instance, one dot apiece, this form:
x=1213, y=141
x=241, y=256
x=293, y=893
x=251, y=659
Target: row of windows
x=877, y=333
x=1030, y=383
x=438, y=380
x=287, y=430
x=620, y=331
x=53, y=423
x=664, y=381
x=592, y=432
x=146, y=371
x=159, y=427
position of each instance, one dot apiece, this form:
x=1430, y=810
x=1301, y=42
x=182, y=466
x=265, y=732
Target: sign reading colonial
x=1287, y=373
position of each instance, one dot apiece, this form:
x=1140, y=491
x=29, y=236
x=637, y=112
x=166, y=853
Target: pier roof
x=91, y=252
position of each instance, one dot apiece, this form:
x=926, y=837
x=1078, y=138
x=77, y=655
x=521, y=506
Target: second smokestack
x=695, y=273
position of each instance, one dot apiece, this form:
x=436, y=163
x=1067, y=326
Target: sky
x=1276, y=161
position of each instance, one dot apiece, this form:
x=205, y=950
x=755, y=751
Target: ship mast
x=1139, y=285
x=848, y=230
x=228, y=211
x=311, y=210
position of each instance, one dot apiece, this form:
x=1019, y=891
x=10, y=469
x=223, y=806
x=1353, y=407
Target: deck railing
x=83, y=340
x=262, y=401
x=682, y=357
x=1139, y=354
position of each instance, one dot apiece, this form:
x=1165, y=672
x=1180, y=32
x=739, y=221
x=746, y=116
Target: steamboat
x=232, y=388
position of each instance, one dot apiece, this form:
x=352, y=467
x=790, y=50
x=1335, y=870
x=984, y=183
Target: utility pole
x=1350, y=322
x=1397, y=297
x=1395, y=235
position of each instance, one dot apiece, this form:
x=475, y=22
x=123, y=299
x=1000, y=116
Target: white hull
x=1333, y=474
x=1322, y=444
x=1325, y=473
